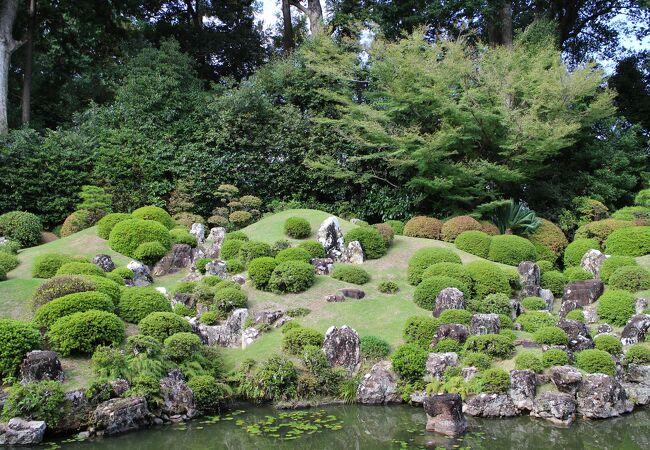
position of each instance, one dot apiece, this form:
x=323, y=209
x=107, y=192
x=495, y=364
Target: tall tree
x=313, y=10
x=27, y=76
x=8, y=45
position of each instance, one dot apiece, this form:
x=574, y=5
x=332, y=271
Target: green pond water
x=366, y=427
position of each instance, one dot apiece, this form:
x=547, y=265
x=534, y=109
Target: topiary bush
x=49, y=313
x=409, y=361
x=426, y=257
x=371, y=241
x=240, y=218
x=419, y=330
x=47, y=264
x=549, y=240
x=638, y=354
x=209, y=318
x=75, y=222
x=608, y=343
x=494, y=345
x=234, y=266
x=230, y=248
x=632, y=241
x=136, y=303
x=80, y=268
x=293, y=254
x=426, y=292
x=494, y=381
x=453, y=227
x=292, y=277
x=350, y=274
x=297, y=228
x=150, y=253
x=554, y=357
x=554, y=281
x=461, y=316
x=106, y=286
x=182, y=346
x=550, y=335
x=576, y=274
x=296, y=339
x=386, y=231
x=388, y=287
x=488, y=279
x=106, y=223
x=154, y=213
x=630, y=278
x=545, y=266
x=533, y=303
x=82, y=332
x=250, y=250
x=58, y=287
x=601, y=229
x=595, y=361
x=123, y=272
x=423, y=227
x=474, y=242
x=127, y=235
x=451, y=270
x=448, y=345
x=8, y=262
x=534, y=320
x=208, y=393
x=314, y=248
x=228, y=299
x=511, y=249
x=528, y=360
x=613, y=263
x=41, y=400
x=492, y=304
x=22, y=227
x=616, y=306
x=161, y=325
x=373, y=347
x=397, y=226
x=260, y=271
x=182, y=236
x=479, y=360
x=16, y=340
x=576, y=250
x=10, y=247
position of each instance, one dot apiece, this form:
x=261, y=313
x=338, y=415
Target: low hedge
x=49, y=313
x=127, y=235
x=292, y=277
x=293, y=254
x=314, y=248
x=136, y=303
x=80, y=268
x=528, y=360
x=550, y=335
x=22, y=227
x=419, y=330
x=260, y=271
x=409, y=362
x=228, y=299
x=47, y=264
x=150, y=253
x=511, y=249
x=453, y=227
x=426, y=292
x=296, y=339
x=576, y=250
x=488, y=279
x=297, y=228
x=154, y=213
x=534, y=320
x=371, y=241
x=638, y=354
x=161, y=325
x=451, y=270
x=426, y=257
x=595, y=361
x=554, y=281
x=630, y=278
x=423, y=227
x=16, y=340
x=492, y=304
x=373, y=347
x=632, y=241
x=474, y=242
x=555, y=357
x=494, y=345
x=613, y=263
x=608, y=343
x=350, y=274
x=616, y=306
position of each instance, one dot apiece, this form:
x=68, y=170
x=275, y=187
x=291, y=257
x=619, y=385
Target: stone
x=604, y=328
x=4, y=240
x=341, y=347
x=579, y=337
x=22, y=432
x=356, y=294
x=357, y=221
x=186, y=300
x=601, y=396
x=353, y=253
x=449, y=298
x=120, y=415
x=177, y=397
x=469, y=372
x=269, y=316
x=490, y=405
x=566, y=379
x=119, y=386
x=580, y=294
x=193, y=275
x=249, y=336
x=198, y=231
x=556, y=407
x=636, y=329
x=104, y=262
x=141, y=274
x=282, y=320
x=226, y=334
x=334, y=298
x=322, y=266
x=445, y=414
x=437, y=363
x=455, y=331
x=417, y=398
x=591, y=313
x=215, y=240
x=592, y=261
x=640, y=305
x=548, y=297
x=217, y=268
x=331, y=237
x=239, y=279
x=40, y=365
x=636, y=382
x=76, y=412
x=179, y=257
x=484, y=324
x=529, y=278
x=379, y=386
x=523, y=385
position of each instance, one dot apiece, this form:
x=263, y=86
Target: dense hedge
x=297, y=227
x=409, y=361
x=22, y=227
x=608, y=343
x=260, y=271
x=555, y=281
x=488, y=279
x=576, y=250
x=154, y=213
x=16, y=340
x=494, y=345
x=82, y=332
x=474, y=242
x=534, y=320
x=595, y=361
x=455, y=226
x=75, y=222
x=136, y=303
x=419, y=330
x=106, y=223
x=296, y=339
x=47, y=264
x=161, y=325
x=49, y=313
x=426, y=292
x=58, y=287
x=601, y=229
x=498, y=303
x=127, y=235
x=397, y=226
x=371, y=241
x=632, y=241
x=292, y=277
x=229, y=298
x=293, y=254
x=150, y=253
x=494, y=381
x=423, y=227
x=549, y=240
x=208, y=393
x=616, y=306
x=182, y=346
x=451, y=270
x=350, y=274
x=426, y=257
x=551, y=335
x=630, y=278
x=613, y=263
x=250, y=250
x=511, y=249
x=479, y=360
x=314, y=248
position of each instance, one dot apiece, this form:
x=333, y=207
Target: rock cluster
x=120, y=415
x=592, y=261
x=177, y=399
x=578, y=333
x=179, y=257
x=341, y=347
x=104, y=262
x=226, y=334
x=580, y=294
x=556, y=407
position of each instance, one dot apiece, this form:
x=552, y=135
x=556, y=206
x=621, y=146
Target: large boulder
x=580, y=294
x=77, y=409
x=636, y=329
x=22, y=432
x=529, y=278
x=40, y=365
x=198, y=231
x=592, y=261
x=179, y=257
x=322, y=266
x=437, y=363
x=523, y=384
x=331, y=237
x=491, y=405
x=484, y=324
x=445, y=414
x=267, y=316
x=217, y=268
x=455, y=331
x=601, y=396
x=177, y=397
x=567, y=379
x=379, y=386
x=548, y=297
x=354, y=293
x=341, y=347
x=579, y=337
x=212, y=248
x=556, y=407
x=120, y=415
x=636, y=381
x=226, y=334
x=353, y=253
x=449, y=298
x=104, y=262
x=141, y=274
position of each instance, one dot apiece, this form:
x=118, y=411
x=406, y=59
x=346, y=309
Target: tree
x=8, y=45
x=631, y=81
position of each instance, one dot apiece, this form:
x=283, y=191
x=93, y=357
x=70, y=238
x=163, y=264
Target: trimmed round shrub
x=548, y=239
x=82, y=332
x=506, y=322
x=8, y=262
x=371, y=241
x=350, y=274
x=127, y=235
x=492, y=304
x=150, y=253
x=288, y=326
x=576, y=250
x=136, y=303
x=426, y=257
x=230, y=248
x=72, y=303
x=314, y=248
x=576, y=314
x=479, y=360
x=293, y=254
x=208, y=393
x=630, y=278
x=533, y=303
x=186, y=220
x=183, y=310
x=474, y=242
x=182, y=236
x=554, y=281
x=632, y=241
x=544, y=266
x=209, y=318
x=576, y=274
x=373, y=347
x=511, y=249
x=236, y=236
x=534, y=320
x=228, y=299
x=488, y=279
x=260, y=271
x=528, y=360
x=423, y=227
x=601, y=229
x=280, y=245
x=616, y=306
x=161, y=325
x=234, y=266
x=388, y=287
x=387, y=233
x=642, y=198
x=217, y=220
x=426, y=292
x=75, y=222
x=47, y=264
x=240, y=218
x=80, y=268
x=409, y=361
x=182, y=346
x=292, y=277
x=494, y=345
x=397, y=226
x=16, y=340
x=630, y=213
x=250, y=250
x=201, y=263
x=154, y=213
x=187, y=287
x=297, y=227
x=494, y=381
x=58, y=287
x=452, y=228
x=22, y=227
x=451, y=270
x=608, y=343
x=613, y=263
x=551, y=336
x=595, y=361
x=106, y=223
x=638, y=354
x=448, y=345
x=554, y=357
x=419, y=330
x=124, y=273
x=461, y=316
x=296, y=339
x=105, y=286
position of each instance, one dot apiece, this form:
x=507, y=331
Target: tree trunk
x=287, y=27
x=505, y=17
x=27, y=77
x=499, y=26
x=314, y=13
x=7, y=46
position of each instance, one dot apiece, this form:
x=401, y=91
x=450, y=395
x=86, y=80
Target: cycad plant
x=510, y=215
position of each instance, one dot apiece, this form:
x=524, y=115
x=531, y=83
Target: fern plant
x=510, y=215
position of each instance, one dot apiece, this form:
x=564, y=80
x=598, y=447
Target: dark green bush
x=419, y=330
x=576, y=250
x=494, y=381
x=292, y=277
x=461, y=316
x=49, y=313
x=161, y=325
x=228, y=299
x=230, y=248
x=632, y=241
x=154, y=213
x=533, y=303
x=426, y=257
x=82, y=332
x=371, y=241
x=613, y=263
x=296, y=339
x=488, y=279
x=576, y=274
x=250, y=250
x=240, y=218
x=494, y=345
x=8, y=262
x=42, y=400
x=534, y=320
x=388, y=287
x=448, y=345
x=479, y=360
x=595, y=361
x=492, y=304
x=426, y=292
x=550, y=335
x=555, y=357
x=22, y=227
x=409, y=361
x=208, y=393
x=277, y=379
x=106, y=223
x=555, y=281
x=373, y=347
x=58, y=287
x=528, y=360
x=16, y=340
x=201, y=263
x=511, y=249
x=608, y=343
x=127, y=235
x=80, y=268
x=150, y=253
x=136, y=303
x=182, y=346
x=451, y=270
x=293, y=254
x=314, y=248
x=630, y=278
x=474, y=242
x=297, y=227
x=576, y=314
x=638, y=354
x=396, y=225
x=423, y=227
x=234, y=266
x=182, y=236
x=260, y=271
x=616, y=307
x=350, y=274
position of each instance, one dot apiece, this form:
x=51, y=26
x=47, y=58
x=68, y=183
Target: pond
x=367, y=427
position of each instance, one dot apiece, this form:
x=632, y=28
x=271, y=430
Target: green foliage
x=154, y=213
x=235, y=266
x=475, y=359
x=22, y=227
x=534, y=320
x=408, y=361
x=511, y=249
x=554, y=357
x=236, y=236
x=509, y=215
x=297, y=312
x=250, y=250
x=576, y=314
x=292, y=277
x=136, y=303
x=373, y=347
x=260, y=271
x=632, y=241
x=494, y=381
x=296, y=339
x=293, y=254
x=314, y=248
x=350, y=274
x=58, y=287
x=630, y=213
x=16, y=340
x=10, y=247
x=474, y=242
x=426, y=257
x=208, y=393
x=545, y=266
x=554, y=281
x=297, y=228
x=638, y=354
x=494, y=345
x=630, y=278
x=240, y=218
x=426, y=292
x=451, y=270
x=419, y=330
x=8, y=262
x=277, y=378
x=105, y=286
x=576, y=250
x=230, y=248
x=616, y=307
x=423, y=227
x=448, y=345
x=576, y=274
x=49, y=313
x=150, y=253
x=288, y=326
x=550, y=335
x=228, y=299
x=386, y=232
x=108, y=222
x=180, y=347
x=533, y=303
x=608, y=343
x=453, y=227
x=182, y=236
x=492, y=304
x=613, y=263
x=183, y=310
x=371, y=241
x=187, y=287
x=642, y=198
x=461, y=316
x=42, y=400
x=209, y=318
x=527, y=360
x=75, y=222
x=161, y=325
x=595, y=361
x=201, y=263
x=82, y=332
x=549, y=240
x=601, y=229
x=488, y=279
x=387, y=287
x=80, y=268
x=397, y=226
x=127, y=235
x=123, y=272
